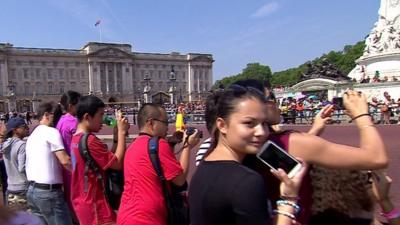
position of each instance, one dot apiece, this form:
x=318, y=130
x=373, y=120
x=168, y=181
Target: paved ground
x=344, y=134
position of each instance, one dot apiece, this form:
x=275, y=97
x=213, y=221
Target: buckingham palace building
x=113, y=72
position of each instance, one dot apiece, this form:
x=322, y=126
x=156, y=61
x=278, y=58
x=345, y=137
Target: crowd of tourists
x=383, y=110
x=61, y=173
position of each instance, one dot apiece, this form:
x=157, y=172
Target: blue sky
x=278, y=33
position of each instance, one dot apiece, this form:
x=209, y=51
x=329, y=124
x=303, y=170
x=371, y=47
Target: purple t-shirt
x=67, y=127
x=24, y=218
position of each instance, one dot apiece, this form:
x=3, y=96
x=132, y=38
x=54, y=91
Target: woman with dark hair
x=317, y=151
x=64, y=116
x=66, y=122
x=223, y=191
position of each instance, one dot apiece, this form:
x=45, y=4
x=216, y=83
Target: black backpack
x=112, y=183
x=175, y=197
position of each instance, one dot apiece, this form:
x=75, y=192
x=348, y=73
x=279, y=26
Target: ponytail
x=68, y=98
x=58, y=112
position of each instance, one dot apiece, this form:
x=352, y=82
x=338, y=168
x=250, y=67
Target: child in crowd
x=88, y=198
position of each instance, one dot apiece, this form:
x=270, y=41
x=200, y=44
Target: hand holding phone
x=338, y=102
x=277, y=158
x=327, y=111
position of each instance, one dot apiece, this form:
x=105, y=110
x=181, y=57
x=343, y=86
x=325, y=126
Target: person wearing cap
x=13, y=150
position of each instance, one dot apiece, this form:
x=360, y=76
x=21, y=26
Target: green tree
x=344, y=60
x=252, y=71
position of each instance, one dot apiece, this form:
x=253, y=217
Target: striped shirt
x=202, y=150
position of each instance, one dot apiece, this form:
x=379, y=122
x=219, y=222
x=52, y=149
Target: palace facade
x=110, y=71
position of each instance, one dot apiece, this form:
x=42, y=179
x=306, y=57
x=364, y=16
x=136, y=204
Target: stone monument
x=324, y=70
x=382, y=50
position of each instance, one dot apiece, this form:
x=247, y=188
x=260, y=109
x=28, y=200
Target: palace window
x=61, y=73
x=27, y=89
x=49, y=74
x=62, y=87
x=50, y=88
x=39, y=88
x=13, y=74
x=37, y=74
x=25, y=73
x=72, y=73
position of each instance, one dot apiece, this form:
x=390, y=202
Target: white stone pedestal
x=387, y=64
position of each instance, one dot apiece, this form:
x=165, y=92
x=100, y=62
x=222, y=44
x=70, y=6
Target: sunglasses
x=243, y=89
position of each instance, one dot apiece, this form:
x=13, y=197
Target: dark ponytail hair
x=222, y=104
x=46, y=107
x=68, y=98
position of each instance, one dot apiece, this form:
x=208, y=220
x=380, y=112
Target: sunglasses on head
x=243, y=89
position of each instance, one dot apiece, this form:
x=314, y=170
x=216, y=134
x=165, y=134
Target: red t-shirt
x=142, y=201
x=91, y=207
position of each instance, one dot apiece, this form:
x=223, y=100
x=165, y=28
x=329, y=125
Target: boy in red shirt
x=90, y=204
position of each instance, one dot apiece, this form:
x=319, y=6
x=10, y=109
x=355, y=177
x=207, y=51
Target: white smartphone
x=275, y=157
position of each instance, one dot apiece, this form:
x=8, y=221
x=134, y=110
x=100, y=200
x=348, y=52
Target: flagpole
x=101, y=40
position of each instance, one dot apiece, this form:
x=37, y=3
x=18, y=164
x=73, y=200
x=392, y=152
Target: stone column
x=115, y=78
x=127, y=81
x=210, y=77
x=190, y=80
x=107, y=81
x=97, y=80
x=91, y=80
x=4, y=77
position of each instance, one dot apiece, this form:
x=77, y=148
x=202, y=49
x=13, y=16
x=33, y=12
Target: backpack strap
x=89, y=161
x=155, y=161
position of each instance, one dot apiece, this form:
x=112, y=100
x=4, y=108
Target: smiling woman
x=223, y=191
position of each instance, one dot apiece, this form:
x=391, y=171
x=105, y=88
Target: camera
x=338, y=102
x=191, y=130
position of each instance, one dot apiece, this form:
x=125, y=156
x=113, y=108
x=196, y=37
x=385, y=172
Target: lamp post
x=35, y=102
x=172, y=78
x=11, y=97
x=138, y=94
x=147, y=88
x=180, y=95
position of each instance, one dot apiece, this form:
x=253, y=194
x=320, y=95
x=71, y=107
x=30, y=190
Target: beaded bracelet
x=393, y=214
x=290, y=198
x=291, y=216
x=361, y=115
x=289, y=203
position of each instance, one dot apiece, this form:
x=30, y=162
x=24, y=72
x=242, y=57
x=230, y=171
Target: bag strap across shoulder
x=155, y=161
x=90, y=163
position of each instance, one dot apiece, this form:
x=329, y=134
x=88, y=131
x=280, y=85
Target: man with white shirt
x=45, y=155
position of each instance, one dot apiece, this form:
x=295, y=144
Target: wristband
x=290, y=198
x=289, y=203
x=393, y=214
x=279, y=212
x=361, y=115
